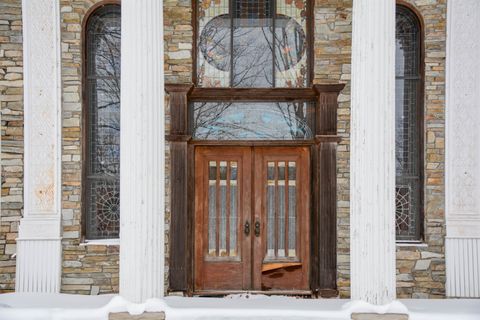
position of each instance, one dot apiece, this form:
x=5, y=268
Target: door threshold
x=219, y=293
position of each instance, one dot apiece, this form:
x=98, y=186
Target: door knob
x=257, y=229
x=246, y=228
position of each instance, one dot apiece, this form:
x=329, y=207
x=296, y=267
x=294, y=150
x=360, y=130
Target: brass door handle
x=246, y=228
x=257, y=229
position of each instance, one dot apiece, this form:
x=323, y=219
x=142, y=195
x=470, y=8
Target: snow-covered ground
x=17, y=306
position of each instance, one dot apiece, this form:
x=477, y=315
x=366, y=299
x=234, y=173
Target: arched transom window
x=244, y=43
x=102, y=123
x=408, y=125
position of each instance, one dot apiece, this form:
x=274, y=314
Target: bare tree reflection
x=105, y=104
x=250, y=49
x=103, y=169
x=252, y=121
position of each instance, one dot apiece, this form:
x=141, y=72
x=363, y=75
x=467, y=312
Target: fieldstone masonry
x=93, y=269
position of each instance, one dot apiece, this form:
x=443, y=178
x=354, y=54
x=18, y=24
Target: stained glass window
x=252, y=120
x=245, y=43
x=102, y=185
x=408, y=110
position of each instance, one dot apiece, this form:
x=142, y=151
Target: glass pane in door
x=281, y=210
x=222, y=208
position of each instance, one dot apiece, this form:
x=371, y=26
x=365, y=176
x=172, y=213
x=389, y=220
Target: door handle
x=246, y=228
x=257, y=229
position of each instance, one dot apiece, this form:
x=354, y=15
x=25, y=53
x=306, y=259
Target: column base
x=39, y=256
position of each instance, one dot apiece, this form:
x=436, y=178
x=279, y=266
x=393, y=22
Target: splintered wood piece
x=272, y=266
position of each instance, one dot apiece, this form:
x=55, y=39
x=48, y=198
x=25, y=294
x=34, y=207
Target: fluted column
x=372, y=155
x=39, y=244
x=142, y=148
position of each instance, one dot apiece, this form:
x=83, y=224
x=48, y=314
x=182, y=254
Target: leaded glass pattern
x=408, y=163
x=102, y=203
x=252, y=120
x=245, y=43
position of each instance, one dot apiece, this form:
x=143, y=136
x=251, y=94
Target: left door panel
x=222, y=218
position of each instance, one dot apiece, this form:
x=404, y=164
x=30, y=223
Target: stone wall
x=86, y=269
x=421, y=268
x=11, y=101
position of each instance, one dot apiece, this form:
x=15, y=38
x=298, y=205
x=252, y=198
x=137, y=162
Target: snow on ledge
x=17, y=306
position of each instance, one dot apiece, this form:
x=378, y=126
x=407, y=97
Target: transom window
x=245, y=43
x=408, y=128
x=102, y=125
x=253, y=120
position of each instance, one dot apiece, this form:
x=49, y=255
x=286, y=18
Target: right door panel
x=281, y=212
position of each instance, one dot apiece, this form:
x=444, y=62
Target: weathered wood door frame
x=226, y=264
x=323, y=176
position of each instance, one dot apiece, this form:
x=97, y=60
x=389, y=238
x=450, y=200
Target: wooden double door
x=251, y=219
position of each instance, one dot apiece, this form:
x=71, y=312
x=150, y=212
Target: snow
x=17, y=306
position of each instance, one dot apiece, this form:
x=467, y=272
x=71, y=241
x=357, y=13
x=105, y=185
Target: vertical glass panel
x=212, y=208
x=407, y=125
x=290, y=44
x=292, y=208
x=252, y=120
x=103, y=124
x=223, y=209
x=233, y=208
x=214, y=43
x=281, y=210
x=270, y=209
x=252, y=45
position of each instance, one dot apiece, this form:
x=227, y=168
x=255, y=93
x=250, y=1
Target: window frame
x=85, y=141
x=420, y=108
x=310, y=34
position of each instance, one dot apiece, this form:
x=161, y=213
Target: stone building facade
x=92, y=268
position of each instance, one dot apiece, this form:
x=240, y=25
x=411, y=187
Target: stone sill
x=101, y=242
x=418, y=244
x=143, y=316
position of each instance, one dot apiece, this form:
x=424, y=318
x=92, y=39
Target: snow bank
x=245, y=306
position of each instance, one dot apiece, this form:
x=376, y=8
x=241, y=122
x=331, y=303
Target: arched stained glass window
x=252, y=44
x=408, y=125
x=102, y=167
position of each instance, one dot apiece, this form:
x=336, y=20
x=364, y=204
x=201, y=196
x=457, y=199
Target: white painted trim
x=105, y=242
x=462, y=119
x=38, y=267
x=412, y=244
x=462, y=154
x=463, y=267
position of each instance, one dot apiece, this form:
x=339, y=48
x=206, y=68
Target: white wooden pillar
x=372, y=153
x=39, y=244
x=462, y=185
x=142, y=151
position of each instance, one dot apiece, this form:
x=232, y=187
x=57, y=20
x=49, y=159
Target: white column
x=142, y=151
x=462, y=185
x=39, y=242
x=372, y=153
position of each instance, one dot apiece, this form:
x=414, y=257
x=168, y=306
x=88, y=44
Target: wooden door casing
x=287, y=273
x=222, y=272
